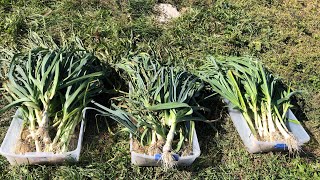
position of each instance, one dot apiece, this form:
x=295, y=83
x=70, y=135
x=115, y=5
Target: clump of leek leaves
x=51, y=88
x=160, y=107
x=255, y=92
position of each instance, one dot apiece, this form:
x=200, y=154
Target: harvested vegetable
x=159, y=109
x=256, y=93
x=51, y=88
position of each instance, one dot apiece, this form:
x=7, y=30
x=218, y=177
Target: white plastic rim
x=147, y=160
x=9, y=143
x=255, y=146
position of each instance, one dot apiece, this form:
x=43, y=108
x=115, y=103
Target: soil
x=276, y=137
x=25, y=144
x=292, y=143
x=74, y=139
x=138, y=148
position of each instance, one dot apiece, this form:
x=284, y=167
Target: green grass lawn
x=284, y=34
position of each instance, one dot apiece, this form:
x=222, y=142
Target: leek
x=158, y=107
x=51, y=88
x=255, y=92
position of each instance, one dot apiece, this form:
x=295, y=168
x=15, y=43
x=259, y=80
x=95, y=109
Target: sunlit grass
x=283, y=34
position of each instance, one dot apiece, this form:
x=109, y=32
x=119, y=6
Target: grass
x=283, y=34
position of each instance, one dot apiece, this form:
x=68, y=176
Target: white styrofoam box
x=147, y=160
x=8, y=146
x=255, y=146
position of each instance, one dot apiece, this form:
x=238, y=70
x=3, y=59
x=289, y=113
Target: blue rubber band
x=157, y=157
x=281, y=146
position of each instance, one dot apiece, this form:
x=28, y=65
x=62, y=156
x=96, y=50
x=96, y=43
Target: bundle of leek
x=51, y=88
x=158, y=107
x=255, y=92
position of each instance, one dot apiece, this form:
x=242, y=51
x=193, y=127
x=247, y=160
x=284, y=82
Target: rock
x=166, y=12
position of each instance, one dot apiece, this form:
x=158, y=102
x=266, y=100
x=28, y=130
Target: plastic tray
x=147, y=160
x=255, y=146
x=13, y=134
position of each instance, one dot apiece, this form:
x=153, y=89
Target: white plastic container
x=13, y=134
x=147, y=160
x=255, y=146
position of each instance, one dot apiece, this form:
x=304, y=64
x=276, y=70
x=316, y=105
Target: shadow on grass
x=209, y=134
x=298, y=104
